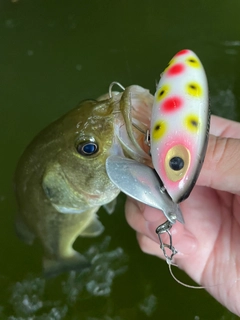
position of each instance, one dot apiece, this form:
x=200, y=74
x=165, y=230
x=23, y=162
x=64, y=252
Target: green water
x=54, y=54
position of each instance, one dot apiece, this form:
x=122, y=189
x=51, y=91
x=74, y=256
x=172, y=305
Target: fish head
x=87, y=135
x=100, y=128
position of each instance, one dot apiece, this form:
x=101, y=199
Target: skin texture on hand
x=209, y=243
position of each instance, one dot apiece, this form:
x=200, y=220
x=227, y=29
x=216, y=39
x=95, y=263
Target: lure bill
x=180, y=124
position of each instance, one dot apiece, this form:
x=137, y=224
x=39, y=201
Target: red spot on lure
x=171, y=104
x=185, y=51
x=176, y=69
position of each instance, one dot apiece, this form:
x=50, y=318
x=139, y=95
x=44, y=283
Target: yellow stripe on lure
x=179, y=124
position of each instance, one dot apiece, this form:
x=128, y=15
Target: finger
x=184, y=241
x=149, y=246
x=221, y=165
x=133, y=213
x=137, y=220
x=224, y=128
x=144, y=220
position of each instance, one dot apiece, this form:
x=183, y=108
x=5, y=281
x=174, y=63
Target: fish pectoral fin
x=110, y=206
x=93, y=229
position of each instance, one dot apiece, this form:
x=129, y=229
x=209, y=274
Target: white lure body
x=179, y=124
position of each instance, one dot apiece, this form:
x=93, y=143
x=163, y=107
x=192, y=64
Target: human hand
x=209, y=243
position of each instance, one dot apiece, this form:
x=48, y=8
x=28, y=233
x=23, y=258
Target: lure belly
x=179, y=124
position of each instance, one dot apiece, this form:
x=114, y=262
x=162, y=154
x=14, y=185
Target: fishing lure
x=178, y=141
x=180, y=124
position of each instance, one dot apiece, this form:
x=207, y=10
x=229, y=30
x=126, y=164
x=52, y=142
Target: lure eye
x=87, y=148
x=177, y=162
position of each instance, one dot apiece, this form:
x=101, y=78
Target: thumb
x=221, y=167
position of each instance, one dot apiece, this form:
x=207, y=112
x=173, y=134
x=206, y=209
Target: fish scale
x=179, y=124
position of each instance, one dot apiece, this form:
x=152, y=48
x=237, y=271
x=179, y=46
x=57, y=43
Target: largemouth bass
x=61, y=180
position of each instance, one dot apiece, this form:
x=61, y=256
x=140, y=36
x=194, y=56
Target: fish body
x=179, y=124
x=61, y=180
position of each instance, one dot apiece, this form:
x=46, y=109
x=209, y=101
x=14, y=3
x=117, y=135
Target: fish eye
x=87, y=148
x=177, y=162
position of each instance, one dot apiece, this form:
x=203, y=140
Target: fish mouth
x=132, y=117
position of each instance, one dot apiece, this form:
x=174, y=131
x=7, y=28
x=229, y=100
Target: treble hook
x=111, y=86
x=162, y=228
